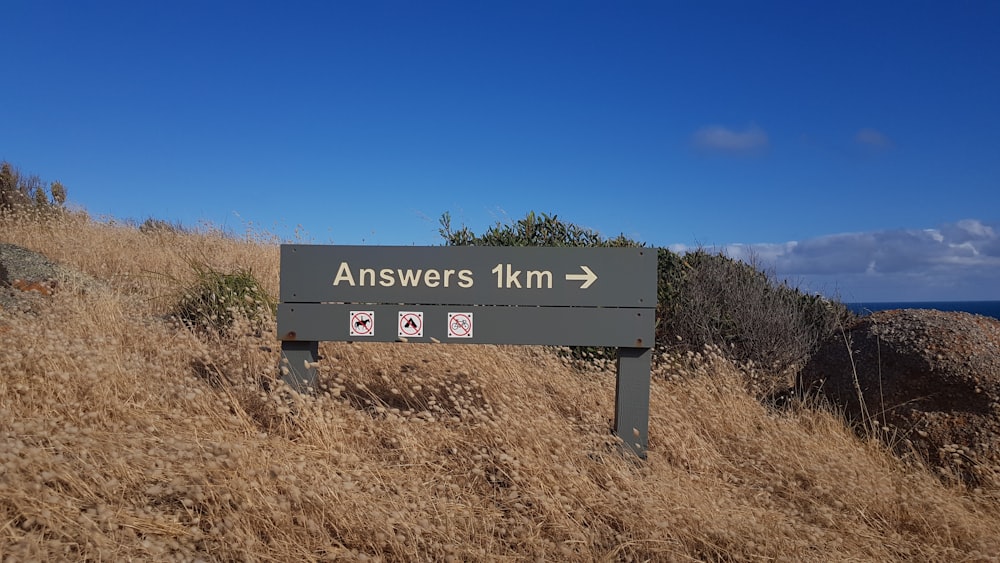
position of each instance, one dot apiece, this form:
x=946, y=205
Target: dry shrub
x=124, y=436
x=767, y=328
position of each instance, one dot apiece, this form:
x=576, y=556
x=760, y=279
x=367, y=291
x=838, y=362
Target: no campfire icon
x=411, y=324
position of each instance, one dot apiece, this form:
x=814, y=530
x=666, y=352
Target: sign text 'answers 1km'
x=584, y=277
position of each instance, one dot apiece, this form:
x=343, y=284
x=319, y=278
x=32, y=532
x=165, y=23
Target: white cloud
x=956, y=261
x=723, y=139
x=873, y=138
x=971, y=229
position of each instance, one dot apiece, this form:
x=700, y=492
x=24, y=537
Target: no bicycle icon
x=459, y=325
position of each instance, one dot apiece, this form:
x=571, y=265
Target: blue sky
x=853, y=146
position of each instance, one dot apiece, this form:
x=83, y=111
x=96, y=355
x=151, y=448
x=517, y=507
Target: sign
x=411, y=324
x=459, y=325
x=362, y=323
x=476, y=295
x=461, y=275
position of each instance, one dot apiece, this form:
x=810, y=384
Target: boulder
x=926, y=381
x=25, y=274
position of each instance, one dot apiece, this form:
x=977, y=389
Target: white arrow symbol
x=588, y=278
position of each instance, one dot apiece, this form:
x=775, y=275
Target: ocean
x=986, y=308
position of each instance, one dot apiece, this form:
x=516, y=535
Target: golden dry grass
x=124, y=436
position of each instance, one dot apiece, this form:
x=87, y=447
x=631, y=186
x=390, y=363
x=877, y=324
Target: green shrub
x=215, y=300
x=533, y=230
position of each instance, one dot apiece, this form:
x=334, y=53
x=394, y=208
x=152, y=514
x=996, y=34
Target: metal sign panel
x=454, y=275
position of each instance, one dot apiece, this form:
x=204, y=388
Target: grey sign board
x=476, y=295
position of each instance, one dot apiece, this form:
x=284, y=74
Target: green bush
x=533, y=230
x=216, y=300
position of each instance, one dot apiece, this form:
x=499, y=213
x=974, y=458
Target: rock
x=927, y=381
x=17, y=262
x=26, y=275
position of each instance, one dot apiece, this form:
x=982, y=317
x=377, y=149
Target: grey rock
x=19, y=263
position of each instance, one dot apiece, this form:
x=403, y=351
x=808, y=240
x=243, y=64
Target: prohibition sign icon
x=362, y=323
x=411, y=324
x=459, y=325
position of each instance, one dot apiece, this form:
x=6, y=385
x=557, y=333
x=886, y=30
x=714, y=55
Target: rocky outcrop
x=26, y=275
x=927, y=381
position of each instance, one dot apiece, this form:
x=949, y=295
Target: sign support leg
x=632, y=398
x=300, y=359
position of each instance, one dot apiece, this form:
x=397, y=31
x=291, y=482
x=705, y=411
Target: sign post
x=475, y=295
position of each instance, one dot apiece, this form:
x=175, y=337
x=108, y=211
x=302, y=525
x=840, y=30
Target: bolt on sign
x=476, y=295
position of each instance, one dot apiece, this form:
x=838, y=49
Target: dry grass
x=124, y=436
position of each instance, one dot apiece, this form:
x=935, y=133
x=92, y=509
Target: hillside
x=126, y=436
